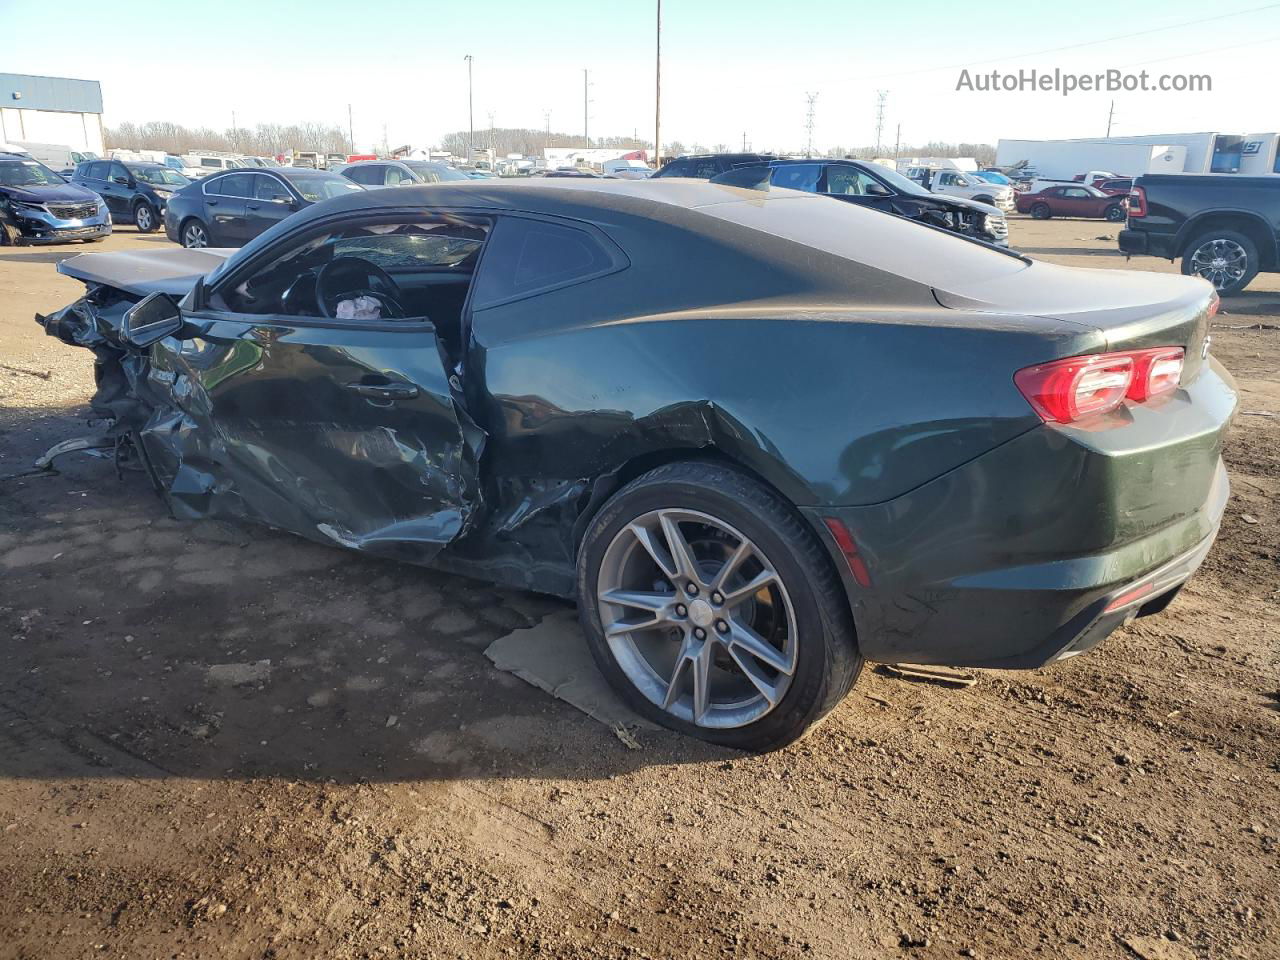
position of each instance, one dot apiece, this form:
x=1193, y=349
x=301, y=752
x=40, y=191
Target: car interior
x=373, y=272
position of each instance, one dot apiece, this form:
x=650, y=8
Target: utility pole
x=491, y=131
x=897, y=142
x=744, y=141
x=351, y=136
x=235, y=137
x=657, y=93
x=1111, y=116
x=546, y=139
x=586, y=135
x=808, y=124
x=471, y=123
x=881, y=97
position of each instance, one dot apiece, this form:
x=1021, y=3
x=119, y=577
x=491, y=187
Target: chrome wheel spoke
x=771, y=690
x=695, y=659
x=731, y=565
x=685, y=564
x=757, y=583
x=655, y=550
x=742, y=639
x=638, y=599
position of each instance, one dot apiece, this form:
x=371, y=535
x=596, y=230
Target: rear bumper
x=1142, y=243
x=1040, y=548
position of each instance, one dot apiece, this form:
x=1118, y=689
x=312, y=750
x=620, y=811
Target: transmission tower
x=881, y=97
x=808, y=123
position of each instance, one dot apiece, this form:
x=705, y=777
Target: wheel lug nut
x=722, y=627
x=717, y=598
x=700, y=633
x=681, y=610
x=691, y=589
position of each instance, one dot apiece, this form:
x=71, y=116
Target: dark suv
x=707, y=165
x=135, y=193
x=38, y=206
x=875, y=185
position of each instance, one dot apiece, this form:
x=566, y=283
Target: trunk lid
x=1131, y=309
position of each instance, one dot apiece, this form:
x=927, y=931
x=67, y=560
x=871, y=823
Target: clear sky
x=728, y=68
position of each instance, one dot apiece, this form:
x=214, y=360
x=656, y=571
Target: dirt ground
x=217, y=741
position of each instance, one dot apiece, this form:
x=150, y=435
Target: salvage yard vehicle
x=38, y=206
x=1226, y=228
x=1072, y=201
x=230, y=209
x=876, y=186
x=136, y=193
x=758, y=435
x=704, y=166
x=375, y=174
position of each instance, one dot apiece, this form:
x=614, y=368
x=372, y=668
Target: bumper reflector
x=844, y=540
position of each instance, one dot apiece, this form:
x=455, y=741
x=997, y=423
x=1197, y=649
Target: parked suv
x=704, y=166
x=875, y=185
x=1226, y=229
x=375, y=174
x=38, y=206
x=135, y=193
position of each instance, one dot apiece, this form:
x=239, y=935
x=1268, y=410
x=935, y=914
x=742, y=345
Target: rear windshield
x=878, y=240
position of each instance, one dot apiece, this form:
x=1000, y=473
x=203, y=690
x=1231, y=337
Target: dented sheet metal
x=284, y=427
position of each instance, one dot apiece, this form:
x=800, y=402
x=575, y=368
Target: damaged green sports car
x=759, y=435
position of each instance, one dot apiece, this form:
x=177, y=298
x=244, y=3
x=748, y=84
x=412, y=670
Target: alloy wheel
x=1221, y=261
x=697, y=618
x=142, y=218
x=194, y=236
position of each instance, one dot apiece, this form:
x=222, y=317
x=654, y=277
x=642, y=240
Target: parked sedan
x=1069, y=201
x=375, y=174
x=760, y=437
x=136, y=193
x=230, y=209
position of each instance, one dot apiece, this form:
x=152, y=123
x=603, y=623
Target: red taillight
x=1137, y=202
x=1155, y=372
x=1214, y=304
x=1068, y=390
x=1065, y=391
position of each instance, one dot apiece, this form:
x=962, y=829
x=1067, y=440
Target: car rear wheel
x=1227, y=259
x=1114, y=213
x=144, y=218
x=194, y=235
x=713, y=610
x=1041, y=211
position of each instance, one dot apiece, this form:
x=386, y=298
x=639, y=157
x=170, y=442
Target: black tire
x=1114, y=213
x=1224, y=237
x=186, y=234
x=1040, y=211
x=145, y=217
x=827, y=660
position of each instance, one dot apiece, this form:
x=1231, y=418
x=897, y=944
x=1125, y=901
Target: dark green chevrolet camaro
x=759, y=435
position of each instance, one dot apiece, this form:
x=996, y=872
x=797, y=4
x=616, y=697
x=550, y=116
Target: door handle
x=384, y=391
x=254, y=206
x=211, y=203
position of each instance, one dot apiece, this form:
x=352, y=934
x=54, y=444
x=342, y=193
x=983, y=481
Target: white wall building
x=1252, y=154
x=52, y=110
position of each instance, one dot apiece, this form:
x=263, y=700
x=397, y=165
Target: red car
x=1071, y=201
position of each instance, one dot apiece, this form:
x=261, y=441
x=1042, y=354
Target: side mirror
x=151, y=319
x=123, y=181
x=878, y=190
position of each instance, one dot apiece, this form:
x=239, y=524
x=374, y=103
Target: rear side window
x=533, y=256
x=798, y=176
x=369, y=176
x=233, y=185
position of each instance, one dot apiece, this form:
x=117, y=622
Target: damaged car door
x=312, y=391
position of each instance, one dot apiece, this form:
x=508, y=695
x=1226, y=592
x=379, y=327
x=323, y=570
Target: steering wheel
x=346, y=278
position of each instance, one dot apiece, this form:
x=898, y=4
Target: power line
x=808, y=123
x=881, y=97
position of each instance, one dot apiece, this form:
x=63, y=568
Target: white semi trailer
x=1252, y=154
